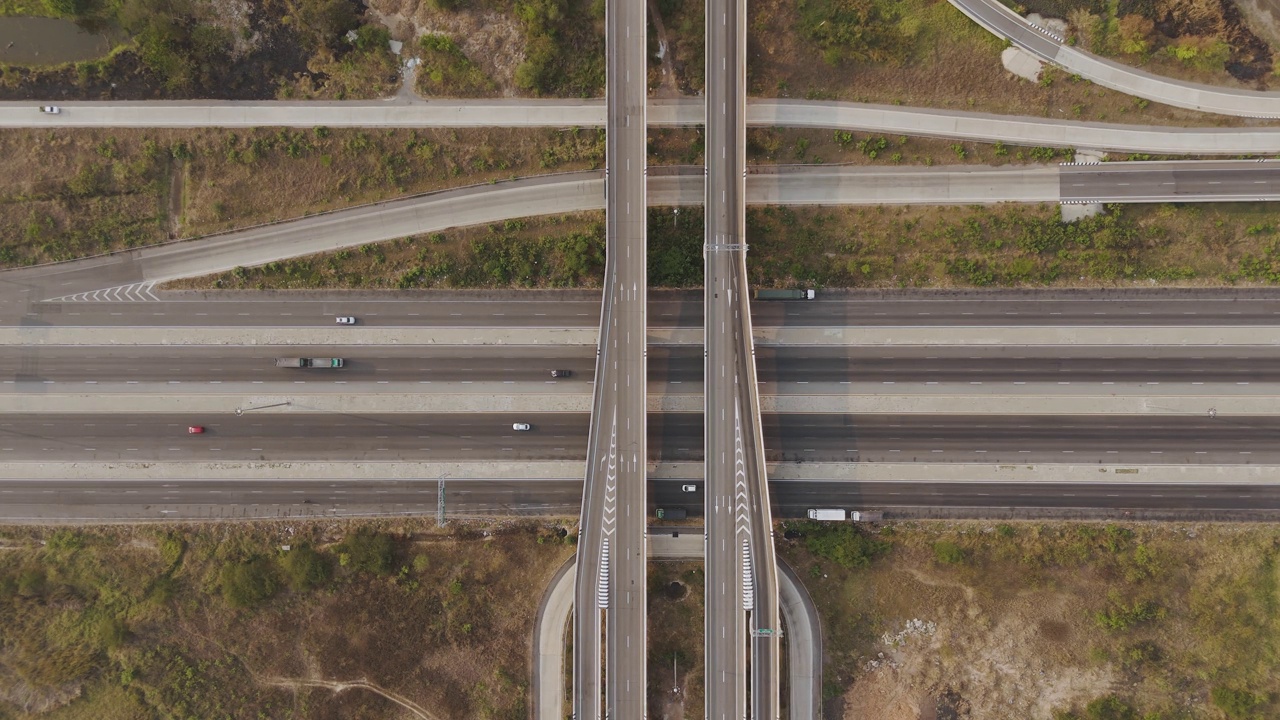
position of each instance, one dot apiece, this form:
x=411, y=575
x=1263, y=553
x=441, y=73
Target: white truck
x=839, y=515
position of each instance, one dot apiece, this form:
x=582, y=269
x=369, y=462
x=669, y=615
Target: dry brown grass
x=1016, y=631
x=676, y=629
x=953, y=63
x=67, y=194
x=448, y=629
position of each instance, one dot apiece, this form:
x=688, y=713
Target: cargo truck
x=866, y=516
x=784, y=294
x=829, y=514
x=309, y=362
x=672, y=513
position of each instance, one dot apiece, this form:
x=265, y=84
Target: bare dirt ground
x=1026, y=620
x=490, y=39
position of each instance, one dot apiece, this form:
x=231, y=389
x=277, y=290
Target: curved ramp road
x=1005, y=23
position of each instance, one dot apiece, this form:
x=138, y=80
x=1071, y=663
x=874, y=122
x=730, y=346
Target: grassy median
x=1074, y=621
x=216, y=621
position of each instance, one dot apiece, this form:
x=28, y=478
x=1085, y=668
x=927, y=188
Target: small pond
x=48, y=41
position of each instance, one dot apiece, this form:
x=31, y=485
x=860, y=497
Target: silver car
x=688, y=488
x=521, y=426
x=346, y=321
x=51, y=109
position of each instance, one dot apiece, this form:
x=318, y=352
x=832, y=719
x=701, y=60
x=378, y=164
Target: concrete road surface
x=612, y=568
x=898, y=120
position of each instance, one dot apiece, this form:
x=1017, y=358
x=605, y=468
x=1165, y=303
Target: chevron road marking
x=134, y=292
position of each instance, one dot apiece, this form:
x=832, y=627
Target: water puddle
x=48, y=41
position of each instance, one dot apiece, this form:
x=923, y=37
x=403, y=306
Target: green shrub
x=1122, y=617
x=367, y=550
x=305, y=568
x=840, y=543
x=1237, y=704
x=948, y=552
x=245, y=584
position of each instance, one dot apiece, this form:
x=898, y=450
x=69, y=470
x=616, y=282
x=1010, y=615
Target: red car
x=195, y=430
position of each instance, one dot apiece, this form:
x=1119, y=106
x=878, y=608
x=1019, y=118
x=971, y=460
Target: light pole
x=241, y=411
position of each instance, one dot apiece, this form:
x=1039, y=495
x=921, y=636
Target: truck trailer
x=784, y=294
x=672, y=513
x=828, y=514
x=309, y=362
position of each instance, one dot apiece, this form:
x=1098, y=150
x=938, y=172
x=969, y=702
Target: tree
x=67, y=7
x=367, y=550
x=1135, y=34
x=305, y=568
x=245, y=584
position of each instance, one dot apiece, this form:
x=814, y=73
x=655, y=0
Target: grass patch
x=676, y=665
x=552, y=252
x=75, y=193
x=446, y=71
x=1019, y=607
x=1013, y=246
x=921, y=53
x=875, y=247
x=88, y=631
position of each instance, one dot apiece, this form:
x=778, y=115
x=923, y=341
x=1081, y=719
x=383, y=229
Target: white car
x=51, y=109
x=521, y=426
x=346, y=321
x=688, y=488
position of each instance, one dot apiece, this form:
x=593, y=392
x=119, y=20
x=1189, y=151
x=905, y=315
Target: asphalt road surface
x=56, y=365
x=195, y=498
x=1148, y=440
x=665, y=309
x=1158, y=182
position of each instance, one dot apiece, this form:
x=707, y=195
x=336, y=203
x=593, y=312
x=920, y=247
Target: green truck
x=784, y=294
x=309, y=362
x=672, y=513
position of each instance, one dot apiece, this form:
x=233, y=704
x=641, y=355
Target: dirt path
x=177, y=185
x=667, y=87
x=339, y=686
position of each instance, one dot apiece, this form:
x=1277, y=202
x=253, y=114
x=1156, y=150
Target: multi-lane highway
x=668, y=365
x=96, y=500
x=675, y=437
x=666, y=309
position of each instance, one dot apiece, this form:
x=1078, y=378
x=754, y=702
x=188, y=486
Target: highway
x=96, y=500
x=667, y=364
x=666, y=309
x=1161, y=182
x=612, y=563
x=794, y=437
x=1004, y=23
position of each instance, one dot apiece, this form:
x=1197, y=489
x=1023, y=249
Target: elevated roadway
x=612, y=577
